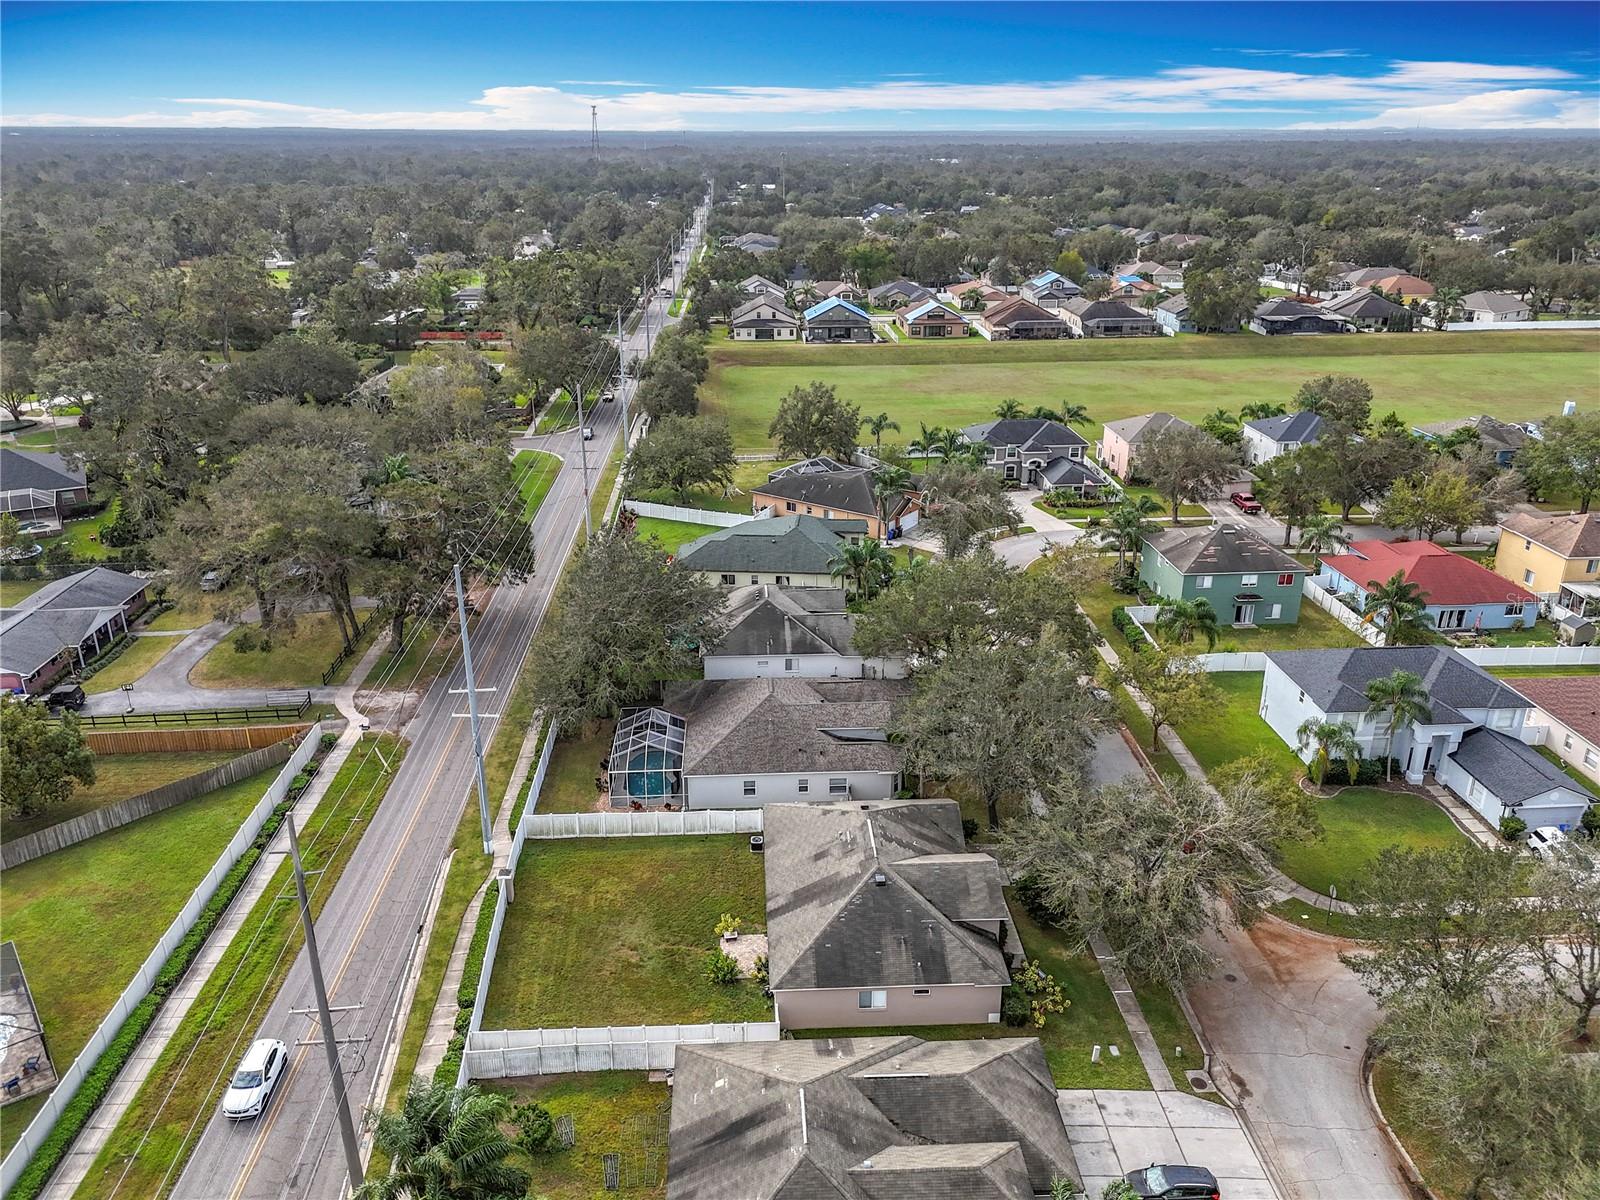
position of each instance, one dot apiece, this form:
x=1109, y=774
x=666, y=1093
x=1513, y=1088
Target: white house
x=1267, y=437
x=1495, y=307
x=1473, y=742
x=792, y=633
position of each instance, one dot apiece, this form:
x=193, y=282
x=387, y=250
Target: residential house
x=828, y=289
x=1501, y=439
x=884, y=210
x=930, y=319
x=1495, y=307
x=1391, y=281
x=1567, y=709
x=469, y=298
x=1245, y=578
x=898, y=293
x=760, y=285
x=754, y=243
x=789, y=551
x=824, y=487
x=1496, y=774
x=1118, y=448
x=866, y=1118
x=64, y=624
x=1107, y=318
x=1267, y=437
x=1459, y=593
x=1367, y=311
x=1036, y=452
x=1167, y=278
x=533, y=246
x=742, y=743
x=1020, y=320
x=1050, y=290
x=1283, y=315
x=877, y=914
x=1556, y=558
x=763, y=319
x=804, y=633
x=1180, y=243
x=835, y=320
x=40, y=486
x=1131, y=287
x=1172, y=316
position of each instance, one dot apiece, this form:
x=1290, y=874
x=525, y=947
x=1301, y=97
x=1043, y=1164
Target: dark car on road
x=1173, y=1182
x=1245, y=501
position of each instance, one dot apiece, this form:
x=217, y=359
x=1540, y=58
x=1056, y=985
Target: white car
x=588, y=433
x=253, y=1083
x=1546, y=841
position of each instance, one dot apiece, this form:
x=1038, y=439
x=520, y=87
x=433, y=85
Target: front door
x=1244, y=613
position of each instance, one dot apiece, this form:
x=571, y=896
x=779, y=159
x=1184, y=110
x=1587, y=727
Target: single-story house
x=39, y=486
x=1118, y=448
x=1502, y=776
x=1050, y=290
x=1267, y=437
x=1368, y=311
x=469, y=298
x=877, y=914
x=764, y=319
x=1290, y=316
x=883, y=210
x=1021, y=319
x=1245, y=578
x=1459, y=593
x=794, y=550
x=1107, y=318
x=1500, y=438
x=1180, y=242
x=1037, y=452
x=1550, y=555
x=743, y=743
x=898, y=293
x=806, y=633
x=1172, y=315
x=1567, y=708
x=1392, y=281
x=64, y=624
x=824, y=487
x=754, y=243
x=930, y=319
x=836, y=320
x=1167, y=278
x=1495, y=307
x=865, y=1118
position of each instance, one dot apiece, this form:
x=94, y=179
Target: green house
x=1247, y=579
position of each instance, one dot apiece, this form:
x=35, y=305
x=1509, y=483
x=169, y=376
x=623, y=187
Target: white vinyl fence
x=1533, y=656
x=1243, y=660
x=641, y=824
x=509, y=1053
x=1493, y=326
x=1342, y=613
x=695, y=516
x=44, y=1120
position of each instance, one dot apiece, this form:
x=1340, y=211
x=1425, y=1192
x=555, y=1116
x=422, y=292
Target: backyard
x=613, y=1112
x=1316, y=629
x=618, y=929
x=116, y=777
x=1517, y=376
x=574, y=764
x=671, y=534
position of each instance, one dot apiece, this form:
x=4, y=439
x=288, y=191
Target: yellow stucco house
x=1556, y=557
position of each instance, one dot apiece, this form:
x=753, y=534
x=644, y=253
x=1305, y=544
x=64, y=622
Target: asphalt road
x=367, y=929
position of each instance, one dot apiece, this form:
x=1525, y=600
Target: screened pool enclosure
x=646, y=764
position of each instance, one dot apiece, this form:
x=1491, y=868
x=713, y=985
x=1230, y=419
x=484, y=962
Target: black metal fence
x=294, y=706
x=350, y=648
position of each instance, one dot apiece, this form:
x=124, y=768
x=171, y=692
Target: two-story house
x=1265, y=438
x=1556, y=558
x=1037, y=452
x=930, y=319
x=836, y=320
x=1245, y=578
x=1118, y=448
x=827, y=488
x=1050, y=289
x=787, y=551
x=791, y=633
x=764, y=319
x=1458, y=593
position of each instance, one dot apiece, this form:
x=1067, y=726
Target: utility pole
x=583, y=450
x=347, y=1129
x=594, y=132
x=622, y=381
x=472, y=711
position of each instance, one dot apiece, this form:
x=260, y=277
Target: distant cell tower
x=594, y=131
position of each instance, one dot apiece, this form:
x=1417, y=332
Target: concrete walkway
x=75, y=1165
x=1128, y=1005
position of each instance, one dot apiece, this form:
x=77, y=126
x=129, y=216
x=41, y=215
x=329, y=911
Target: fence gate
x=641, y=1160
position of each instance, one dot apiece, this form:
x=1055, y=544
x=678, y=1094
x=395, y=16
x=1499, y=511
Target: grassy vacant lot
x=130, y=666
x=296, y=659
x=85, y=917
x=616, y=930
x=671, y=534
x=116, y=777
x=611, y=1111
x=536, y=474
x=1516, y=375
x=1358, y=823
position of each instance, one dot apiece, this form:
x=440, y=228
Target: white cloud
x=1294, y=53
x=1515, y=108
x=606, y=83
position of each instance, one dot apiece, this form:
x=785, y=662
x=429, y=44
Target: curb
x=1408, y=1166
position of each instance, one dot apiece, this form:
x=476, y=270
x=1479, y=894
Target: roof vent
x=879, y=879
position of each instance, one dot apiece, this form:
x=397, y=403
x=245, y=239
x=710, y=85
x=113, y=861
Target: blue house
x=836, y=320
x=1172, y=314
x=1459, y=594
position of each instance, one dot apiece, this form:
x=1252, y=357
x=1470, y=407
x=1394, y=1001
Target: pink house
x=1118, y=447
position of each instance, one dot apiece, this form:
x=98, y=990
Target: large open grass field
x=1424, y=377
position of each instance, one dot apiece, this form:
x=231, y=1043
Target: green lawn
x=190, y=610
x=613, y=1112
x=671, y=534
x=1519, y=375
x=116, y=777
x=82, y=536
x=14, y=590
x=131, y=665
x=295, y=659
x=574, y=763
x=1540, y=672
x=428, y=648
x=536, y=475
x=85, y=917
x=1234, y=729
x=1358, y=823
x=1316, y=630
x=609, y=929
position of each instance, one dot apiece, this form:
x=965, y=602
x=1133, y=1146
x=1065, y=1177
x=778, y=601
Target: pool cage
x=646, y=764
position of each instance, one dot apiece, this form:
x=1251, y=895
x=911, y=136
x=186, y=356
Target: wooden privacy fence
x=124, y=812
x=509, y=1053
x=176, y=741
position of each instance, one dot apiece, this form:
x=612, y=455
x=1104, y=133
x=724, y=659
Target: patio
x=25, y=1066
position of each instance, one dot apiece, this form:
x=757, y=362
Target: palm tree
x=445, y=1143
x=887, y=483
x=949, y=443
x=1183, y=620
x=1125, y=527
x=1321, y=533
x=1446, y=305
x=1042, y=413
x=1396, y=607
x=1009, y=410
x=925, y=442
x=1402, y=696
x=1333, y=739
x=867, y=566
x=1072, y=414
x=876, y=427
x=1260, y=409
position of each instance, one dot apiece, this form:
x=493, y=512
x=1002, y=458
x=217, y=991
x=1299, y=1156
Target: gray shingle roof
x=1134, y=430
x=1104, y=310
x=1030, y=434
x=1336, y=680
x=1222, y=550
x=62, y=613
x=1513, y=773
x=1065, y=472
x=24, y=469
x=1177, y=305
x=745, y=314
x=1493, y=302
x=1368, y=304
x=798, y=544
x=1300, y=427
x=825, y=483
x=1492, y=432
x=799, y=1120
x=784, y=621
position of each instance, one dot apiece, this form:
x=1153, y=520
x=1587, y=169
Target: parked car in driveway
x=1173, y=1182
x=68, y=695
x=255, y=1080
x=1546, y=841
x=1245, y=501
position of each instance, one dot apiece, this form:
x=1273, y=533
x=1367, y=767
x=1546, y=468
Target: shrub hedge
x=467, y=994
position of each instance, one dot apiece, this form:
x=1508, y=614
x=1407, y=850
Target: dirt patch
x=388, y=710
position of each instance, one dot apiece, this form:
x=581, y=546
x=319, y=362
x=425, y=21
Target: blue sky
x=886, y=65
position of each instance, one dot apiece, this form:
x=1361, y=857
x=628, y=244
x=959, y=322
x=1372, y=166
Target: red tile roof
x=1574, y=701
x=1443, y=576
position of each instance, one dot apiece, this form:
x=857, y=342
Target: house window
x=872, y=999
x=762, y=662
x=808, y=510
x=838, y=787
x=1592, y=566
x=755, y=579
x=781, y=580
x=728, y=581
x=1286, y=579
x=788, y=664
x=803, y=786
x=1591, y=758
x=1513, y=610
x=1247, y=581
x=1566, y=742
x=1527, y=543
x=788, y=506
x=1203, y=582
x=1302, y=697
x=1504, y=718
x=749, y=787
x=1527, y=576
x=922, y=991
x=1013, y=451
x=1277, y=612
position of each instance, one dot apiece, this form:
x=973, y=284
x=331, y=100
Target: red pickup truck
x=1245, y=502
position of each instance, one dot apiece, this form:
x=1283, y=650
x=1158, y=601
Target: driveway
x=1287, y=1023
